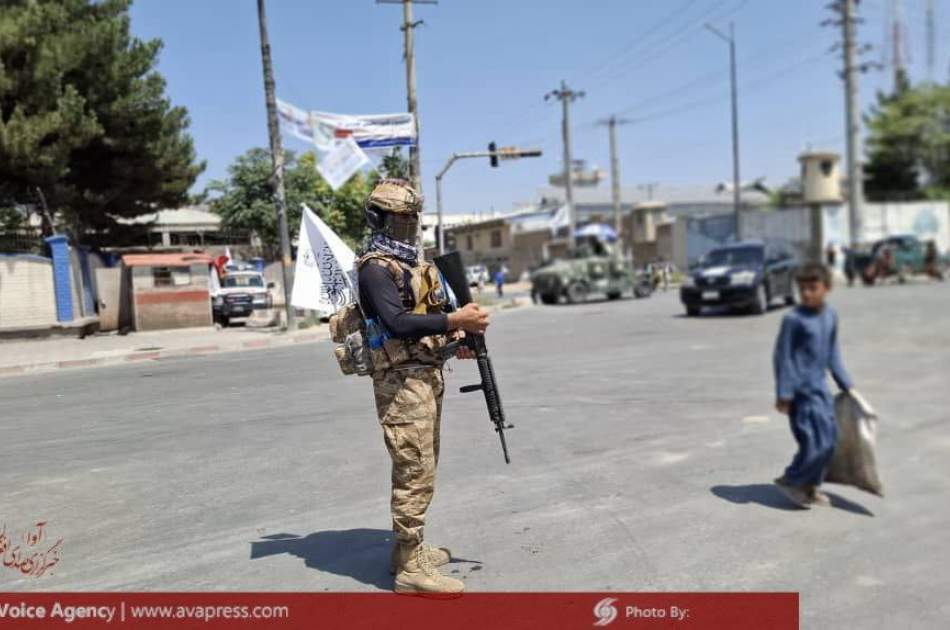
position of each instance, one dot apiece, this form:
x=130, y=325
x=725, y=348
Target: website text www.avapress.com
x=122, y=611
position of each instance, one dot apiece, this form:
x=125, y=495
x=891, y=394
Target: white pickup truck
x=242, y=292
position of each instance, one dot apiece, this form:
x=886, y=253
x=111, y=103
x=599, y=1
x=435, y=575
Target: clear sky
x=484, y=66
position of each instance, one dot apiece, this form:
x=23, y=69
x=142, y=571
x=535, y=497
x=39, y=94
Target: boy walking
x=807, y=348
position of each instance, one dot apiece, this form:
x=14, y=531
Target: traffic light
x=493, y=158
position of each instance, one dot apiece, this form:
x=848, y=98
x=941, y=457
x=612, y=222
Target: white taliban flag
x=325, y=274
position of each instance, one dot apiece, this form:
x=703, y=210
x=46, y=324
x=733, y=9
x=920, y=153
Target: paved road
x=641, y=461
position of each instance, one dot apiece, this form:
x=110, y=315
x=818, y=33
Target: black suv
x=748, y=275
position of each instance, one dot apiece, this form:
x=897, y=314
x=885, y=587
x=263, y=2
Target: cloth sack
x=853, y=462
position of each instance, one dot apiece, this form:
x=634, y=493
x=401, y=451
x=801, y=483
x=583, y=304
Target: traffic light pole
x=493, y=155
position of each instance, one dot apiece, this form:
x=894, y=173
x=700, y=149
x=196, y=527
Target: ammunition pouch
x=354, y=356
x=364, y=345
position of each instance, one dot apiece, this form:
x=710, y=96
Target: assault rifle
x=454, y=273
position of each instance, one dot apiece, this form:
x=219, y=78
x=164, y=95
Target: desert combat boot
x=418, y=576
x=438, y=556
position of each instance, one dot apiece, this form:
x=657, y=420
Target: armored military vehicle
x=593, y=269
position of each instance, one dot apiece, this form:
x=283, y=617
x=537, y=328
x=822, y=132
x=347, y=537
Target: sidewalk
x=53, y=353
x=37, y=355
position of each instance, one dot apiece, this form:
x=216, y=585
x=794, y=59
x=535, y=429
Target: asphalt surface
x=642, y=457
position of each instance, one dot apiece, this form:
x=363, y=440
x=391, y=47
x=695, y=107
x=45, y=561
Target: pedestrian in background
x=931, y=263
x=500, y=282
x=831, y=255
x=806, y=349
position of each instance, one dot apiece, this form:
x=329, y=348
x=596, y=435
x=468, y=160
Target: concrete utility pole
x=931, y=41
x=567, y=96
x=898, y=44
x=852, y=123
x=649, y=187
x=277, y=157
x=736, y=185
x=611, y=124
x=409, y=52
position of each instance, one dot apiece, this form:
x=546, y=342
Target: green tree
x=908, y=145
x=245, y=199
x=11, y=220
x=394, y=165
x=84, y=116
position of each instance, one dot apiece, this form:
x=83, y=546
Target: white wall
x=27, y=296
x=927, y=220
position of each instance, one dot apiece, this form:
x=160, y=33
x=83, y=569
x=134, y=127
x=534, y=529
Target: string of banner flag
x=341, y=140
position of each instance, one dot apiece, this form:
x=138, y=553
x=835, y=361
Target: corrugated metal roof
x=187, y=216
x=164, y=260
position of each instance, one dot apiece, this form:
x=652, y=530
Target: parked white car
x=242, y=292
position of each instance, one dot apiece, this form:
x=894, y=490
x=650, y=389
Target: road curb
x=155, y=355
x=280, y=339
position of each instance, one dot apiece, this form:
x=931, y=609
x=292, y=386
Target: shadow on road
x=725, y=312
x=768, y=495
x=762, y=493
x=841, y=503
x=362, y=554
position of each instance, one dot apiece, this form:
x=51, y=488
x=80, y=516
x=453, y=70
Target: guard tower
x=821, y=184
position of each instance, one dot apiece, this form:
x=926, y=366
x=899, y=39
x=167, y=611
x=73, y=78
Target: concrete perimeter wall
x=27, y=295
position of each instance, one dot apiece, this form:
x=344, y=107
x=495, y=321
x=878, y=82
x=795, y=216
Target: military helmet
x=396, y=196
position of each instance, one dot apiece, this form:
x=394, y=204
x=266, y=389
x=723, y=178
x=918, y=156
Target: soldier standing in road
x=404, y=303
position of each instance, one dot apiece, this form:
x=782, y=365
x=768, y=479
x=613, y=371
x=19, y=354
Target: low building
x=518, y=241
x=188, y=226
x=169, y=290
x=524, y=239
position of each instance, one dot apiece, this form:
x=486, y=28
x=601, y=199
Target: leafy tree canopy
x=908, y=144
x=245, y=199
x=84, y=116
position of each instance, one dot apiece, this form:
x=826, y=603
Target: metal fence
x=22, y=242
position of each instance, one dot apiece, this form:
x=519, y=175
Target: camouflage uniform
x=408, y=393
x=409, y=405
x=408, y=386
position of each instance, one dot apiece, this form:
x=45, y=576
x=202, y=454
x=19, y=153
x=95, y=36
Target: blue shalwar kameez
x=807, y=347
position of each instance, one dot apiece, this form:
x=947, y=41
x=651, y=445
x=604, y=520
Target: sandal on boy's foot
x=796, y=495
x=817, y=497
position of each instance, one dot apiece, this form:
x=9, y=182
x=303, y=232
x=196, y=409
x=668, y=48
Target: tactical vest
x=366, y=347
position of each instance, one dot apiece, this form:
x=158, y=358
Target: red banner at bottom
x=709, y=611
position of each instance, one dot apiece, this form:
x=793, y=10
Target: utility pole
x=409, y=54
x=852, y=122
x=567, y=96
x=849, y=53
x=898, y=44
x=649, y=187
x=736, y=186
x=611, y=124
x=277, y=157
x=931, y=41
